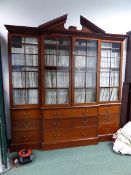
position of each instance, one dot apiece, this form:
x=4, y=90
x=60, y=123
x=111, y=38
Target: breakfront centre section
x=65, y=84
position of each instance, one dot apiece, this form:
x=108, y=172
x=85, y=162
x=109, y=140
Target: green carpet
x=87, y=160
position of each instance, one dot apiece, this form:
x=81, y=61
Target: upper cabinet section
x=51, y=66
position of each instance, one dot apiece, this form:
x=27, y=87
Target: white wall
x=113, y=16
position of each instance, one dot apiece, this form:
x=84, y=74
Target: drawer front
x=50, y=124
x=109, y=119
x=26, y=124
x=67, y=113
x=70, y=134
x=25, y=114
x=28, y=136
x=109, y=109
x=108, y=129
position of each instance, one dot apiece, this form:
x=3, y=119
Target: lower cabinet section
x=59, y=128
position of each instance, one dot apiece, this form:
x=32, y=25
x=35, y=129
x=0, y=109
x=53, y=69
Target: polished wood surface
x=52, y=126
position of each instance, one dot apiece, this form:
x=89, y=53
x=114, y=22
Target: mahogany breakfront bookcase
x=65, y=84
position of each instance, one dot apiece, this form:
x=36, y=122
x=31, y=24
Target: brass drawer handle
x=108, y=118
x=85, y=133
x=27, y=114
x=56, y=113
x=85, y=112
x=56, y=135
x=84, y=122
x=108, y=129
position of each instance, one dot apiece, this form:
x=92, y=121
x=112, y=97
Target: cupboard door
x=57, y=70
x=109, y=71
x=24, y=67
x=85, y=61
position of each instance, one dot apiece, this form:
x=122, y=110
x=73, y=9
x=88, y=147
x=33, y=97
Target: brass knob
x=108, y=129
x=85, y=133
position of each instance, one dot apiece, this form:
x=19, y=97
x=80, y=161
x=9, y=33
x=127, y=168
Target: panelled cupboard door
x=57, y=70
x=85, y=70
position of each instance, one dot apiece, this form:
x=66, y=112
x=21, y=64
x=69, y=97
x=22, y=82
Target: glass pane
x=90, y=95
x=50, y=96
x=31, y=79
x=105, y=45
x=31, y=60
x=63, y=61
x=50, y=79
x=91, y=79
x=114, y=94
x=31, y=49
x=18, y=79
x=104, y=94
x=116, y=45
x=18, y=49
x=79, y=79
x=105, y=62
x=91, y=62
x=62, y=79
x=30, y=40
x=115, y=53
x=91, y=52
x=115, y=62
x=19, y=97
x=114, y=78
x=18, y=59
x=105, y=53
x=50, y=60
x=62, y=96
x=32, y=96
x=80, y=61
x=91, y=43
x=79, y=95
x=104, y=78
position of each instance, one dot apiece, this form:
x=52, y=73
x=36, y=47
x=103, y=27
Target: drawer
x=28, y=136
x=50, y=124
x=25, y=114
x=109, y=118
x=70, y=134
x=26, y=124
x=109, y=109
x=108, y=128
x=67, y=113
